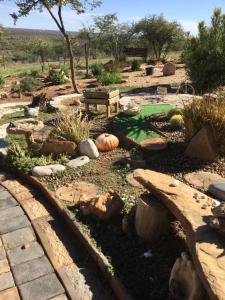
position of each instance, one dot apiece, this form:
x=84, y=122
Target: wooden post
x=152, y=219
x=87, y=107
x=117, y=107
x=108, y=110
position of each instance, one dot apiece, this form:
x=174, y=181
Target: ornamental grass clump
x=202, y=111
x=72, y=127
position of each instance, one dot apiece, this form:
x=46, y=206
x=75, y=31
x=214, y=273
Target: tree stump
x=152, y=219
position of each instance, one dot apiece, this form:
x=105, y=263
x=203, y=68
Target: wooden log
x=152, y=219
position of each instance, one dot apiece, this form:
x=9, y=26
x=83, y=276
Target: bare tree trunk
x=71, y=63
x=86, y=59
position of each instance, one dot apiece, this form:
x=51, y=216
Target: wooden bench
x=107, y=102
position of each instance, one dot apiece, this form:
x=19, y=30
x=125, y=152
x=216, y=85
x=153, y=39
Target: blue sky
x=187, y=12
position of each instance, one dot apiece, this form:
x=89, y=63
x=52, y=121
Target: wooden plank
x=206, y=247
x=138, y=52
x=101, y=95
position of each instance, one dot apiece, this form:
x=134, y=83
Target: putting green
x=136, y=127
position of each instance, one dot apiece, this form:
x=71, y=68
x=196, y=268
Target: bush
x=177, y=122
x=57, y=76
x=110, y=78
x=72, y=128
x=2, y=80
x=200, y=111
x=204, y=55
x=34, y=73
x=97, y=69
x=29, y=84
x=135, y=65
x=173, y=112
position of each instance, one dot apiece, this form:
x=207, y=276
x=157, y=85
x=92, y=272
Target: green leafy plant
x=72, y=127
x=177, y=122
x=135, y=65
x=97, y=69
x=204, y=55
x=29, y=84
x=200, y=112
x=57, y=76
x=2, y=80
x=107, y=78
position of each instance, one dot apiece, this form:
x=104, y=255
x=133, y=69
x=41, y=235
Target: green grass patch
x=136, y=127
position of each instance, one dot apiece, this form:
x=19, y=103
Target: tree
x=41, y=47
x=159, y=34
x=114, y=37
x=79, y=6
x=204, y=54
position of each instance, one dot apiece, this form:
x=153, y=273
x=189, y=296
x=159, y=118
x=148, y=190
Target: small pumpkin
x=107, y=142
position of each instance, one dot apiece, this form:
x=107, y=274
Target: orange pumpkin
x=107, y=142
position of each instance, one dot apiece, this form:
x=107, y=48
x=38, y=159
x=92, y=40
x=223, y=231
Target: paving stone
x=41, y=288
x=18, y=255
x=2, y=253
x=25, y=195
x=10, y=294
x=14, y=224
x=4, y=194
x=18, y=238
x=6, y=281
x=4, y=266
x=31, y=270
x=0, y=242
x=8, y=201
x=34, y=208
x=60, y=297
x=11, y=183
x=52, y=244
x=10, y=213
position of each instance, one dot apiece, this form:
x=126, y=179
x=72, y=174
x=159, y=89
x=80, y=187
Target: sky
x=187, y=12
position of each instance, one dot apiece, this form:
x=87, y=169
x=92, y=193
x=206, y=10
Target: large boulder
x=56, y=147
x=203, y=146
x=169, y=69
x=88, y=148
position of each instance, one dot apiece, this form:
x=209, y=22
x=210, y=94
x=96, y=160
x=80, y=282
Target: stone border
x=98, y=257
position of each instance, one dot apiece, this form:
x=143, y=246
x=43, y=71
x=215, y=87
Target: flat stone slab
x=60, y=297
x=218, y=190
x=31, y=270
x=133, y=182
x=202, y=180
x=2, y=253
x=205, y=246
x=10, y=213
x=6, y=200
x=10, y=294
x=14, y=224
x=6, y=281
x=18, y=255
x=44, y=287
x=154, y=144
x=18, y=238
x=52, y=244
x=4, y=266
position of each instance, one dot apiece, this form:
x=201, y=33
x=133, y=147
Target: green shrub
x=57, y=76
x=110, y=78
x=2, y=80
x=200, y=112
x=29, y=84
x=177, y=122
x=204, y=55
x=135, y=65
x=173, y=112
x=97, y=69
x=34, y=73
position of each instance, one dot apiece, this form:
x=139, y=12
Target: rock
x=218, y=224
x=202, y=180
x=206, y=248
x=78, y=162
x=31, y=111
x=169, y=69
x=203, y=146
x=104, y=206
x=219, y=210
x=184, y=282
x=56, y=147
x=133, y=182
x=77, y=192
x=154, y=144
x=88, y=148
x=218, y=190
x=48, y=170
x=4, y=95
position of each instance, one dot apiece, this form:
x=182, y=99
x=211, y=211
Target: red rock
x=58, y=147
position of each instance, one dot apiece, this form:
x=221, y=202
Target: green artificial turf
x=136, y=127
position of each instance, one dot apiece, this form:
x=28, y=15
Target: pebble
x=175, y=183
